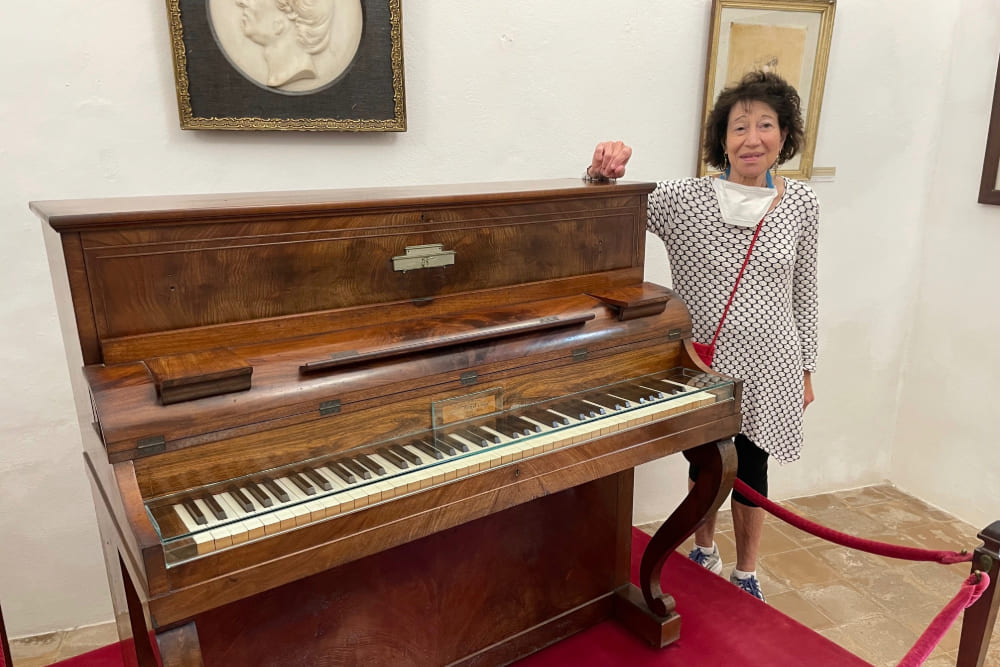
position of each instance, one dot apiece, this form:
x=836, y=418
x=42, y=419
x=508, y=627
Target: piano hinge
x=580, y=354
x=673, y=334
x=329, y=407
x=470, y=377
x=152, y=445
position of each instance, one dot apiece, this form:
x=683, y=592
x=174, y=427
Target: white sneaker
x=711, y=562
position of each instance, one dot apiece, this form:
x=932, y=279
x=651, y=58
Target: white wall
x=946, y=448
x=502, y=91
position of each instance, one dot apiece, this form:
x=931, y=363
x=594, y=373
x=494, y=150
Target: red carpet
x=720, y=625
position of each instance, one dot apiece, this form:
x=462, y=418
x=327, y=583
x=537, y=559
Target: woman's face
x=753, y=141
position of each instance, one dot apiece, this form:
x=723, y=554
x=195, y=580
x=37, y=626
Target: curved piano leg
x=647, y=610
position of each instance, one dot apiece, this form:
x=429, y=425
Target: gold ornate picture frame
x=989, y=186
x=791, y=37
x=288, y=64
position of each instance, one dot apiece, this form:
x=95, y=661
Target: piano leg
x=136, y=650
x=647, y=610
x=179, y=646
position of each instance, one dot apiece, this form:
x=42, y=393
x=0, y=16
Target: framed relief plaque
x=288, y=64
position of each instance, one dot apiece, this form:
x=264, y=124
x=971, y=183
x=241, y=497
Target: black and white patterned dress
x=769, y=337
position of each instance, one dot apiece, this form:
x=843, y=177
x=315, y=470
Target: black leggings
x=751, y=467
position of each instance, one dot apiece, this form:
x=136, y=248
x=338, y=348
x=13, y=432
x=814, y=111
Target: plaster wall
x=502, y=91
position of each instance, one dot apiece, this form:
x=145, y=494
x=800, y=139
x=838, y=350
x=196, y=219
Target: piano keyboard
x=250, y=508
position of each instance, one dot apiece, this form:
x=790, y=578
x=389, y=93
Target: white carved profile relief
x=292, y=46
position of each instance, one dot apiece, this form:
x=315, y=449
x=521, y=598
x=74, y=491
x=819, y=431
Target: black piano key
x=317, y=479
x=509, y=427
x=262, y=498
x=575, y=409
x=530, y=427
x=302, y=483
x=478, y=440
x=356, y=468
x=442, y=446
x=194, y=511
x=240, y=498
x=216, y=508
x=392, y=458
x=501, y=426
x=544, y=417
x=618, y=402
x=455, y=442
x=635, y=393
x=623, y=393
x=427, y=449
x=275, y=489
x=489, y=437
x=652, y=393
x=367, y=462
x=520, y=425
x=591, y=401
x=674, y=387
x=406, y=454
x=340, y=471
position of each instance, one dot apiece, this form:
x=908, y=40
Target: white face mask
x=742, y=205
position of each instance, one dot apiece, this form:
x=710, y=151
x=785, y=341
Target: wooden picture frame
x=259, y=65
x=791, y=37
x=989, y=185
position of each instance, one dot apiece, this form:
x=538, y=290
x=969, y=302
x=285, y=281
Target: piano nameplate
x=461, y=408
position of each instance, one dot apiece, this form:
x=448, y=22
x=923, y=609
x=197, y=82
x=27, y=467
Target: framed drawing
x=288, y=64
x=989, y=186
x=790, y=37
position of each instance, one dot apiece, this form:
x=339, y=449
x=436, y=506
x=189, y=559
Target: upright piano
x=391, y=426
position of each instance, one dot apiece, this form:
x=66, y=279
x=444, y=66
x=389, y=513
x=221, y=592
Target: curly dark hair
x=755, y=86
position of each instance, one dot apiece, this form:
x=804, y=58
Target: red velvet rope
x=972, y=589
x=845, y=540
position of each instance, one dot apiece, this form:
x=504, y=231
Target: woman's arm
x=805, y=297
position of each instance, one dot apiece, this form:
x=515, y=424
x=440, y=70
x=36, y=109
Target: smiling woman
x=748, y=230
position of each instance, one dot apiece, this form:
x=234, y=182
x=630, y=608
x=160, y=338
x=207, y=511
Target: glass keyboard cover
x=200, y=521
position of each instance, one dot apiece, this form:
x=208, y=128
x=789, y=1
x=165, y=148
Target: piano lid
x=311, y=377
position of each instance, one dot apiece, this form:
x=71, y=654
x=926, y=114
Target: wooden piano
x=382, y=426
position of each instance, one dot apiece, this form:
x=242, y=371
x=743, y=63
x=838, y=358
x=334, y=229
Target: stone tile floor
x=875, y=607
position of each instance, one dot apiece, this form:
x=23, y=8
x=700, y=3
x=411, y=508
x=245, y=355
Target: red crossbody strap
x=738, y=278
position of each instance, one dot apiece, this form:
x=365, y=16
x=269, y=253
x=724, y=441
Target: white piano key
x=203, y=541
x=238, y=530
x=253, y=525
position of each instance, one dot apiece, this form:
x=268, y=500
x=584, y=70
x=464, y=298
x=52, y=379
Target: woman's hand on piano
x=609, y=160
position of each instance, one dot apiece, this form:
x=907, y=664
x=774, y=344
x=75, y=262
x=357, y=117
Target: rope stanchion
x=845, y=540
x=972, y=589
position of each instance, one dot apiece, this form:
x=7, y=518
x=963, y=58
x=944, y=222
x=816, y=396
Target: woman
x=769, y=335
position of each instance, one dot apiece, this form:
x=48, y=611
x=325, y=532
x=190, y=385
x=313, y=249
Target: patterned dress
x=769, y=337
